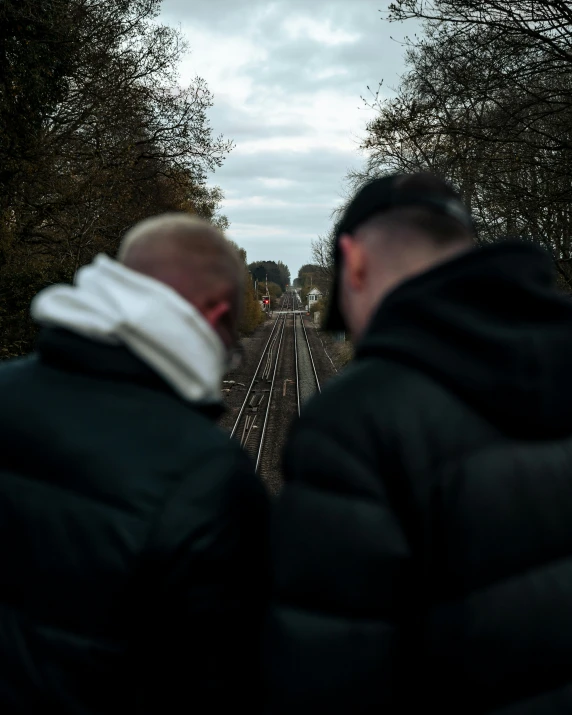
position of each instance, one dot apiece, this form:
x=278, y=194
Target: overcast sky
x=287, y=77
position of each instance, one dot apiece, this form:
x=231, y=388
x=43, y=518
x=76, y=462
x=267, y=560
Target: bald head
x=192, y=257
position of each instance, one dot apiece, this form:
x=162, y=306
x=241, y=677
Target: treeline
x=312, y=275
x=316, y=275
x=252, y=313
x=257, y=286
x=95, y=134
x=274, y=272
x=486, y=101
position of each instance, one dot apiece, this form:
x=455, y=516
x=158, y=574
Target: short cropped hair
x=184, y=251
x=441, y=228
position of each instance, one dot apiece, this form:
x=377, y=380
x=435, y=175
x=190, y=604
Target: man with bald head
x=133, y=552
x=421, y=544
x=194, y=259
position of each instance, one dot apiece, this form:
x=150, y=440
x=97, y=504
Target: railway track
x=251, y=425
x=284, y=378
x=307, y=381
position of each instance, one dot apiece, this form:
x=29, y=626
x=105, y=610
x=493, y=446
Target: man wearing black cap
x=423, y=540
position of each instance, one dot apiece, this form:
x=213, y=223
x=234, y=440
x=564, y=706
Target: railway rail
x=307, y=381
x=284, y=378
x=251, y=424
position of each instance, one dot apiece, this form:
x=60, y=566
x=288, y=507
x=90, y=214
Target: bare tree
x=486, y=102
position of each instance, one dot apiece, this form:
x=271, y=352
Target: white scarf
x=113, y=304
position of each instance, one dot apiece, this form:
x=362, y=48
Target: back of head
x=425, y=207
x=192, y=257
x=428, y=224
x=394, y=228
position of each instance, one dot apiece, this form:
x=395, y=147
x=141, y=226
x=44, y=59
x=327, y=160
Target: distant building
x=314, y=295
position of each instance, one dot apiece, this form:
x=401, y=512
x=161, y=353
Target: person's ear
x=354, y=261
x=219, y=317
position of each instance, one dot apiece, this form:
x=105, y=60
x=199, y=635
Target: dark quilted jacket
x=132, y=542
x=422, y=544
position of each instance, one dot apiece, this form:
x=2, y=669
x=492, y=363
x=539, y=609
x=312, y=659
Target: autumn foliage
x=96, y=133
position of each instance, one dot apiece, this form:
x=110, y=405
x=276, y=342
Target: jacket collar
x=65, y=350
x=490, y=326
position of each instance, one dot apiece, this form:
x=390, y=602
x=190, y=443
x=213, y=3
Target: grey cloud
x=291, y=72
x=224, y=14
x=316, y=166
x=296, y=64
x=305, y=217
x=238, y=124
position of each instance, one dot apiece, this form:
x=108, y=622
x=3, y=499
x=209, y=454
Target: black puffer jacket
x=132, y=542
x=423, y=541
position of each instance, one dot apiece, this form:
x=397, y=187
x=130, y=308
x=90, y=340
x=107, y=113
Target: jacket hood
x=490, y=326
x=111, y=304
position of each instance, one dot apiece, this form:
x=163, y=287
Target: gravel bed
x=283, y=409
x=236, y=383
x=324, y=352
x=284, y=402
x=306, y=376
